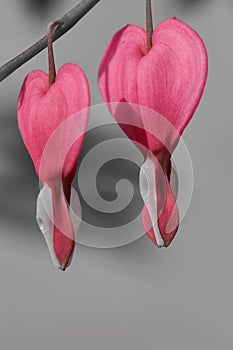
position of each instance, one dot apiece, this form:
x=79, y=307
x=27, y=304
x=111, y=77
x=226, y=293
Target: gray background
x=134, y=297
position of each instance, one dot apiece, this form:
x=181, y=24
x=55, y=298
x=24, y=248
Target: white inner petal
x=147, y=186
x=44, y=217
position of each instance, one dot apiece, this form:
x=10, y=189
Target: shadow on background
x=19, y=183
x=107, y=177
x=40, y=7
x=189, y=4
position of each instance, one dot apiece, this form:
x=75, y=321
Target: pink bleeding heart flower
x=45, y=101
x=165, y=70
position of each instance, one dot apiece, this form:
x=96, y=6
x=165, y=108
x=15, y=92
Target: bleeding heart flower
x=164, y=69
x=45, y=101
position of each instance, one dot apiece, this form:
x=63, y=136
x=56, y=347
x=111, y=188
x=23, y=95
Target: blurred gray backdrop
x=134, y=297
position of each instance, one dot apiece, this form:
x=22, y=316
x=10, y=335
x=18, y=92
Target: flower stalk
x=149, y=24
x=51, y=61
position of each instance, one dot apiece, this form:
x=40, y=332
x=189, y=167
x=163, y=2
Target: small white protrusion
x=147, y=186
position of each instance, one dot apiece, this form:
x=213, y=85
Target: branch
x=68, y=21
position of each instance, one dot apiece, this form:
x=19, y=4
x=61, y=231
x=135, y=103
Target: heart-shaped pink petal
x=41, y=110
x=169, y=79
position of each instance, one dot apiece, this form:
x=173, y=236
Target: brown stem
x=52, y=68
x=149, y=24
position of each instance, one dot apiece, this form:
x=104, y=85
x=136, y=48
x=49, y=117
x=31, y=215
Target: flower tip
x=161, y=245
x=63, y=266
x=168, y=243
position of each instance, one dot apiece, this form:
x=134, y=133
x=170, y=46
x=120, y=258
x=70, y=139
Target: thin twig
x=149, y=24
x=68, y=20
